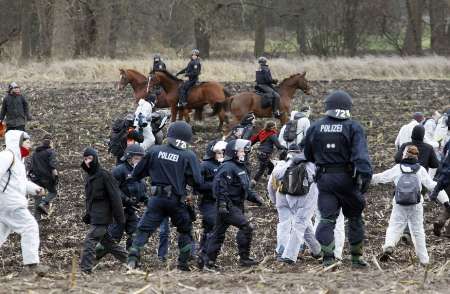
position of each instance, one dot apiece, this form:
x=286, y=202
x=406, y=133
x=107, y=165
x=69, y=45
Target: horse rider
x=192, y=71
x=265, y=82
x=158, y=65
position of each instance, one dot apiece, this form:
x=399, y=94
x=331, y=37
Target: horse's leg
x=173, y=112
x=222, y=118
x=186, y=115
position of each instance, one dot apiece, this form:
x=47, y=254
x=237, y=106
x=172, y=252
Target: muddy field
x=79, y=115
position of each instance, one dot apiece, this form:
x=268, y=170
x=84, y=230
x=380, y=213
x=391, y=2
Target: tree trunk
x=260, y=31
x=84, y=27
x=413, y=38
x=45, y=12
x=114, y=28
x=202, y=37
x=350, y=26
x=26, y=28
x=438, y=23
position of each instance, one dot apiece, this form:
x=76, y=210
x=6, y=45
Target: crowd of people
x=319, y=180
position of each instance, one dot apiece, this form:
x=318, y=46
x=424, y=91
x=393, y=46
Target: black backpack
x=118, y=138
x=295, y=181
x=290, y=131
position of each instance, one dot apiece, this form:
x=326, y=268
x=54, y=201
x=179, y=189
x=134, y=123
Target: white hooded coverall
x=294, y=213
x=302, y=126
x=411, y=215
x=14, y=213
x=145, y=108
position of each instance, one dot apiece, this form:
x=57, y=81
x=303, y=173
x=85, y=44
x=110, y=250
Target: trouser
x=20, y=221
x=51, y=195
x=295, y=225
x=184, y=89
x=19, y=128
x=264, y=163
x=339, y=232
x=336, y=191
x=411, y=215
x=159, y=208
x=96, y=234
x=208, y=210
x=274, y=94
x=236, y=218
x=445, y=214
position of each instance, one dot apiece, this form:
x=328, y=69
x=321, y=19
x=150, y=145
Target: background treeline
x=60, y=29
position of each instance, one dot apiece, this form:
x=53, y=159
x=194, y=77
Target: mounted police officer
x=338, y=146
x=265, y=82
x=231, y=187
x=192, y=71
x=171, y=167
x=209, y=166
x=158, y=65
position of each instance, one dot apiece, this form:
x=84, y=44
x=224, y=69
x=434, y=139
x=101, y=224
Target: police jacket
x=232, y=184
x=443, y=176
x=264, y=77
x=193, y=69
x=331, y=142
x=103, y=197
x=43, y=162
x=208, y=169
x=158, y=66
x=168, y=165
x=15, y=109
x=134, y=190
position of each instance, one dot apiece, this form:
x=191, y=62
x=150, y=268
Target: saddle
x=266, y=98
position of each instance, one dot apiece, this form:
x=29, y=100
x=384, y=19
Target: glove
x=434, y=195
x=363, y=182
x=253, y=197
x=275, y=81
x=223, y=209
x=86, y=219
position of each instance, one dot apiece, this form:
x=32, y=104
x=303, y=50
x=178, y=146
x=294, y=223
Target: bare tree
x=413, y=38
x=440, y=40
x=45, y=9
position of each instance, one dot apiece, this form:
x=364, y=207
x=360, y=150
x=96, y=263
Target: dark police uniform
x=231, y=187
x=264, y=82
x=443, y=183
x=337, y=145
x=158, y=65
x=192, y=71
x=170, y=167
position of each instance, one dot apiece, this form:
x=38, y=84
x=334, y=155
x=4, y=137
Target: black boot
x=247, y=262
x=357, y=251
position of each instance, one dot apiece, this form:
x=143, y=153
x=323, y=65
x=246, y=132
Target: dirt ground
x=79, y=115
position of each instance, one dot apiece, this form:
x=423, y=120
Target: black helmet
x=262, y=60
x=338, y=105
x=132, y=150
x=234, y=145
x=179, y=134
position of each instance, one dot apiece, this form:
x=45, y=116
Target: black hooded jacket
x=103, y=199
x=427, y=156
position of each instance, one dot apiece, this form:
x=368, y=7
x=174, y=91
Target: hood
x=293, y=113
x=42, y=148
x=418, y=133
x=94, y=166
x=12, y=141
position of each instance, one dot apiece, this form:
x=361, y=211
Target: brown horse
x=243, y=103
x=211, y=93
x=140, y=85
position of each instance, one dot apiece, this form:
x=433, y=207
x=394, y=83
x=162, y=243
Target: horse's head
x=302, y=83
x=124, y=81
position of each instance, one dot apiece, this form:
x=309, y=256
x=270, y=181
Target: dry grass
x=368, y=67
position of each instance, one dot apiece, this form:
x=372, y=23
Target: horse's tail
x=225, y=105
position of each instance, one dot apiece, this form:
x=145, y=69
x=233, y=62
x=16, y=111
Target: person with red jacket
x=268, y=138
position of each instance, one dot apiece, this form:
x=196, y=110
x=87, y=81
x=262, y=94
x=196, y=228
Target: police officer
x=231, y=187
x=264, y=82
x=192, y=71
x=338, y=146
x=244, y=130
x=170, y=167
x=209, y=166
x=158, y=65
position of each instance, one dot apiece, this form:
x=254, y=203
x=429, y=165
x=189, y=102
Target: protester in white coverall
x=145, y=108
x=14, y=186
x=294, y=212
x=303, y=123
x=430, y=125
x=404, y=135
x=403, y=215
x=442, y=131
